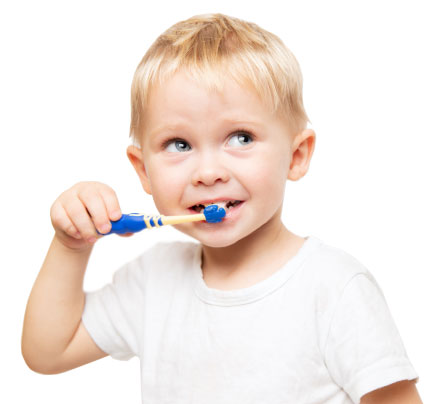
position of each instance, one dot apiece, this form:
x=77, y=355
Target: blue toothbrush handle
x=128, y=223
x=134, y=222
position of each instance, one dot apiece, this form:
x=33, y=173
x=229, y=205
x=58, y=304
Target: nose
x=209, y=170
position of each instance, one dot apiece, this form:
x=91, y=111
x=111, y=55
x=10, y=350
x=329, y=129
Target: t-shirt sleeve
x=364, y=350
x=113, y=315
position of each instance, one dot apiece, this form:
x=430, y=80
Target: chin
x=223, y=239
x=216, y=243
x=213, y=239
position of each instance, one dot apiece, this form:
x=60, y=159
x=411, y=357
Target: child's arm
x=54, y=339
x=403, y=392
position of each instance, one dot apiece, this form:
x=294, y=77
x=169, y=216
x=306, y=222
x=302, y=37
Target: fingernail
x=92, y=240
x=105, y=228
x=115, y=215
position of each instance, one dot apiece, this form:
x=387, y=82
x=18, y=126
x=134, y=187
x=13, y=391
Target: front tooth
x=221, y=204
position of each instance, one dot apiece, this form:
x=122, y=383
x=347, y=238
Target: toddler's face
x=203, y=146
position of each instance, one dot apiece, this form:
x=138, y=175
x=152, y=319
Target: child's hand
x=81, y=211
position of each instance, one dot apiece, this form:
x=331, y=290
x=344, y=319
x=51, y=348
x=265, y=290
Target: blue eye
x=175, y=146
x=240, y=139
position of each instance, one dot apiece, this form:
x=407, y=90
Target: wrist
x=72, y=247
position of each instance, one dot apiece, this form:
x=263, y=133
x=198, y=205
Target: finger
x=111, y=203
x=79, y=216
x=61, y=221
x=95, y=206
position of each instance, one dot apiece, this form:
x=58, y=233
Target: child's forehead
x=215, y=85
x=185, y=93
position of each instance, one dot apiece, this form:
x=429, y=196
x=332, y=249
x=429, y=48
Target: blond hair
x=213, y=47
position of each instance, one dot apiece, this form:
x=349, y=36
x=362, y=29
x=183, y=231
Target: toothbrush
x=134, y=222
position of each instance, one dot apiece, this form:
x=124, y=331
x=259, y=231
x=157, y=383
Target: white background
x=374, y=88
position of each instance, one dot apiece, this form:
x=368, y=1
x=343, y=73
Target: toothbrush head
x=214, y=213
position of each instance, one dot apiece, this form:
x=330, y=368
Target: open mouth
x=223, y=204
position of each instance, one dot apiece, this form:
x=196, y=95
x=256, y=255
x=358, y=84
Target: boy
x=252, y=313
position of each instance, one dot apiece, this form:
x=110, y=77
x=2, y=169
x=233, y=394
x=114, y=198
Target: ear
x=136, y=158
x=302, y=150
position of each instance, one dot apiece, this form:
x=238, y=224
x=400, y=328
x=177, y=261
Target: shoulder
x=333, y=265
x=330, y=270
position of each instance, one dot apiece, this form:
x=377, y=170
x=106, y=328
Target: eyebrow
x=166, y=128
x=243, y=122
x=180, y=126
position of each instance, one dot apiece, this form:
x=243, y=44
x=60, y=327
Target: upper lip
x=219, y=199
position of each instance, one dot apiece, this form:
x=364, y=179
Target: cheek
x=267, y=176
x=167, y=186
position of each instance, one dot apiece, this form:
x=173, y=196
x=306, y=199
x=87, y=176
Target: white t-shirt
x=316, y=331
